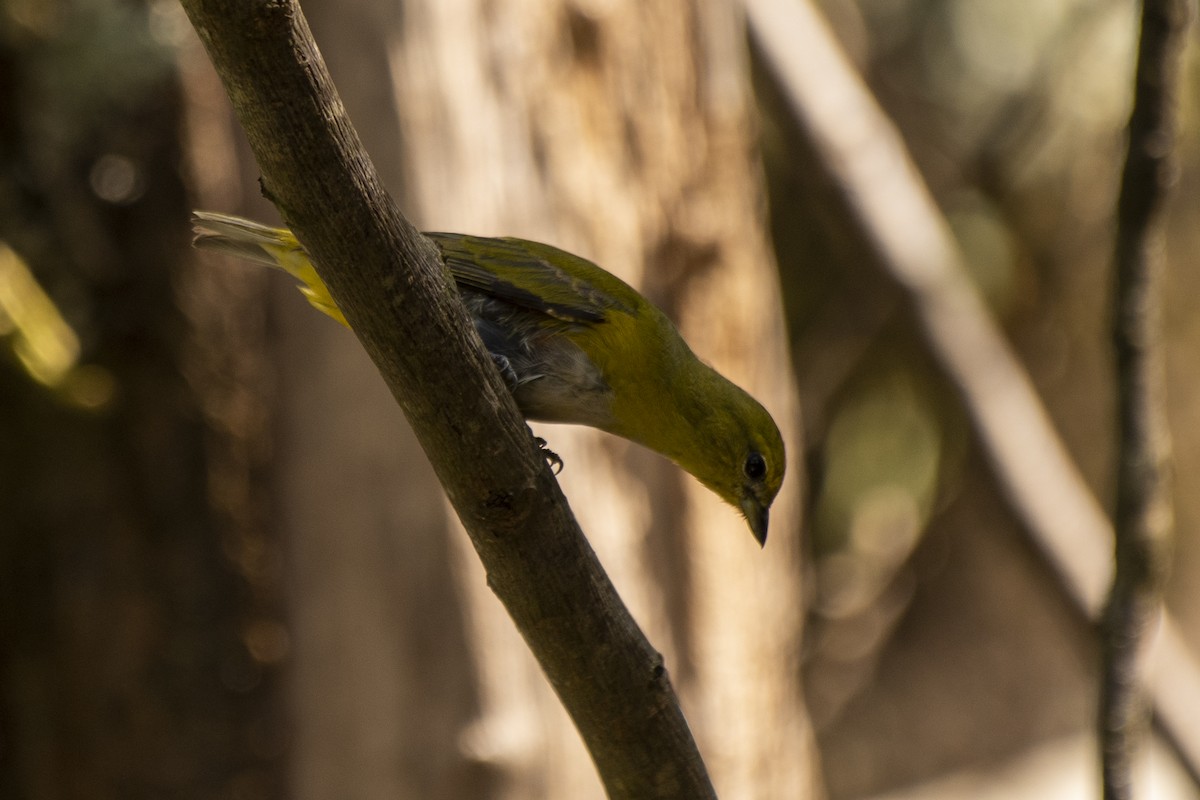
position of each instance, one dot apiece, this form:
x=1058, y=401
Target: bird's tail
x=261, y=244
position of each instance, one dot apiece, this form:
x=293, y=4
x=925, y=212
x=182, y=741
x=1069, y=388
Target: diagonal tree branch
x=394, y=290
x=1144, y=513
x=884, y=198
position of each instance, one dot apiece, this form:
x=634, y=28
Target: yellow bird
x=576, y=345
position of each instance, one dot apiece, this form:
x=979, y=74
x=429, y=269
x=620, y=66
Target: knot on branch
x=507, y=510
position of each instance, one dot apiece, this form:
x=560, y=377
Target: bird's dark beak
x=757, y=516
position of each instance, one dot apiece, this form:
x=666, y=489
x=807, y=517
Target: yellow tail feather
x=272, y=247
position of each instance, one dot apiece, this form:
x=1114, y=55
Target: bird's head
x=740, y=456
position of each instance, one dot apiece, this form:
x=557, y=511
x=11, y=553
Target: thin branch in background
x=886, y=200
x=1144, y=516
x=389, y=281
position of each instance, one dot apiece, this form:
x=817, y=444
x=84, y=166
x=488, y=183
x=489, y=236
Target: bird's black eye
x=755, y=467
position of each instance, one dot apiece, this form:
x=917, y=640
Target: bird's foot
x=552, y=458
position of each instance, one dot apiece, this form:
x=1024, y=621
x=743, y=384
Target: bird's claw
x=552, y=458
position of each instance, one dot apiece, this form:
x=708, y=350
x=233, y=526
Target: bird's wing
x=521, y=273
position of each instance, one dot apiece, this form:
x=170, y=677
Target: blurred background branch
x=886, y=200
x=1144, y=516
x=886, y=203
